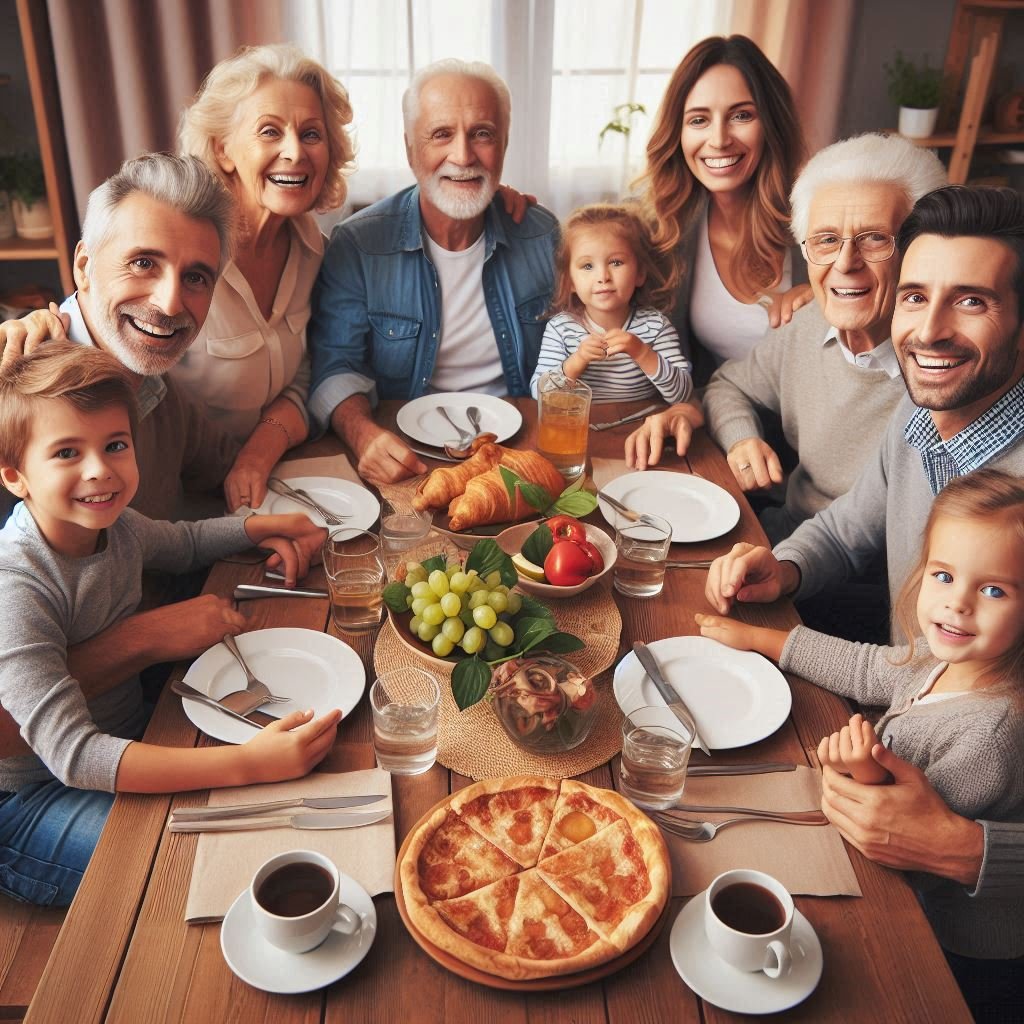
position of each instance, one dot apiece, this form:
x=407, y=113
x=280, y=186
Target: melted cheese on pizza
x=577, y=817
x=544, y=926
x=457, y=860
x=482, y=916
x=515, y=820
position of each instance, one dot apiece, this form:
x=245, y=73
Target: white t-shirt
x=467, y=355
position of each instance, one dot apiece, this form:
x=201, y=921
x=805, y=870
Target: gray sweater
x=833, y=412
x=51, y=602
x=968, y=746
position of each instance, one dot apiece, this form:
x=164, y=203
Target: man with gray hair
x=435, y=288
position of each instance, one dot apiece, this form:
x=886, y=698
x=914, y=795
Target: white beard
x=133, y=352
x=457, y=204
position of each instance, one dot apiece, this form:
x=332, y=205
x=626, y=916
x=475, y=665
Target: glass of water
x=355, y=578
x=404, y=703
x=655, y=753
x=401, y=528
x=642, y=550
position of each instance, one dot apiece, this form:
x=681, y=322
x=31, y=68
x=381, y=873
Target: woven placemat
x=473, y=743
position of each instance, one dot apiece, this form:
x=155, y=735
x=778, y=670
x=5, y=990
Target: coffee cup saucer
x=264, y=966
x=739, y=991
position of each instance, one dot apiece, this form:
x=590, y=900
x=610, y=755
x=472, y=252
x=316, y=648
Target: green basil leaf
x=534, y=495
x=538, y=544
x=437, y=562
x=577, y=504
x=510, y=479
x=560, y=643
x=532, y=608
x=470, y=679
x=486, y=557
x=575, y=485
x=531, y=631
x=396, y=597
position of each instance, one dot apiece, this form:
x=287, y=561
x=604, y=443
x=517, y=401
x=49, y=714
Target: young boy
x=71, y=561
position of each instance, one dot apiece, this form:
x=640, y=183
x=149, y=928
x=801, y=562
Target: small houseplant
x=6, y=184
x=31, y=209
x=917, y=91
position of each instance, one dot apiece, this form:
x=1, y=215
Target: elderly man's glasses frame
x=824, y=248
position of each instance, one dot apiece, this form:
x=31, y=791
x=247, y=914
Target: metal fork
x=465, y=437
x=286, y=490
x=705, y=831
x=255, y=688
x=624, y=510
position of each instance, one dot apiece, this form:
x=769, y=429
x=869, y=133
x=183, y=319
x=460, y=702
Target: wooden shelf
x=986, y=137
x=24, y=249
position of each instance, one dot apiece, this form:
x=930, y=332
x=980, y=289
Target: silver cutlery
x=709, y=809
x=465, y=437
x=762, y=768
x=427, y=454
x=285, y=490
x=672, y=699
x=473, y=414
x=321, y=820
x=630, y=514
x=256, y=692
x=182, y=689
x=322, y=803
x=705, y=831
x=627, y=419
x=700, y=564
x=249, y=591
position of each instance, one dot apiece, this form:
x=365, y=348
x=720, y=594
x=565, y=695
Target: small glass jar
x=544, y=703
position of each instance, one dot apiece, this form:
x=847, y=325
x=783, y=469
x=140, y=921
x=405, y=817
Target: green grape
x=452, y=567
x=475, y=583
x=415, y=574
x=408, y=600
x=451, y=604
x=485, y=616
x=478, y=598
x=422, y=589
x=493, y=579
x=442, y=645
x=438, y=582
x=515, y=603
x=459, y=583
x=426, y=632
x=473, y=640
x=497, y=600
x=501, y=633
x=414, y=624
x=433, y=614
x=419, y=603
x=454, y=629
x=502, y=589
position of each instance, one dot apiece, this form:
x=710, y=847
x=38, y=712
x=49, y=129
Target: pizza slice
x=513, y=819
x=578, y=816
x=482, y=916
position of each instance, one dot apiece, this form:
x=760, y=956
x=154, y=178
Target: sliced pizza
x=578, y=816
x=481, y=917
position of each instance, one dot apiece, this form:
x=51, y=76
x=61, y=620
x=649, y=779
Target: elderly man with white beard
x=435, y=288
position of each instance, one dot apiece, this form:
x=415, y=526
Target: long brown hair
x=671, y=195
x=984, y=494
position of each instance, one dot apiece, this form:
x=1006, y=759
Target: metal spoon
x=465, y=437
x=474, y=418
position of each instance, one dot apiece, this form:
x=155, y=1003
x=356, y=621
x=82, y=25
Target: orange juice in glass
x=563, y=419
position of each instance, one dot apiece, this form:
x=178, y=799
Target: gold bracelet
x=278, y=423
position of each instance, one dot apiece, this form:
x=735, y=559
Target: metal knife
x=330, y=803
x=627, y=419
x=669, y=695
x=764, y=768
x=248, y=591
x=182, y=689
x=438, y=456
x=322, y=820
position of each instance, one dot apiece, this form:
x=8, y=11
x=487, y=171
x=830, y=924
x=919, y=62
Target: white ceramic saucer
x=743, y=991
x=266, y=967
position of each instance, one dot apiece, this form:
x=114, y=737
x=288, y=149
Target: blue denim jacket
x=376, y=314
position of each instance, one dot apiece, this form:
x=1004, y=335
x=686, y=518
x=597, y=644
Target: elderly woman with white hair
x=273, y=125
x=831, y=373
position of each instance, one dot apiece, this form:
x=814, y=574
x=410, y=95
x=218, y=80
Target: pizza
x=531, y=877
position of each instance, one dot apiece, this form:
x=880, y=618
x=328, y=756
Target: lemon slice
x=527, y=568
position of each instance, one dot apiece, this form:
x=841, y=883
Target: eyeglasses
x=824, y=249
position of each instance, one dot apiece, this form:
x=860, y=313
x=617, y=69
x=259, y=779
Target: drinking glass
x=401, y=528
x=563, y=422
x=642, y=550
x=655, y=752
x=404, y=703
x=355, y=578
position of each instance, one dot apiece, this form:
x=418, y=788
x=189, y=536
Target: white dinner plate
x=264, y=966
x=341, y=496
x=743, y=991
x=314, y=670
x=421, y=419
x=737, y=697
x=696, y=508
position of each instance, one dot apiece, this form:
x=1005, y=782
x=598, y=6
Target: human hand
x=385, y=459
x=618, y=340
x=188, y=628
x=246, y=483
x=290, y=747
x=644, y=446
x=747, y=573
x=783, y=305
x=516, y=203
x=754, y=464
x=20, y=337
x=295, y=540
x=848, y=751
x=592, y=349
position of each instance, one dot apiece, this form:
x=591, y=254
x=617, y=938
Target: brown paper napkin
x=336, y=466
x=226, y=861
x=604, y=471
x=807, y=860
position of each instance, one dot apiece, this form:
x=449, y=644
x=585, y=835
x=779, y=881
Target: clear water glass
x=655, y=754
x=642, y=551
x=404, y=702
x=355, y=579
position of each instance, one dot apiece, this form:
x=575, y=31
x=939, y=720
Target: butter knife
x=182, y=689
x=248, y=810
x=672, y=699
x=337, y=819
x=248, y=591
x=764, y=768
x=627, y=419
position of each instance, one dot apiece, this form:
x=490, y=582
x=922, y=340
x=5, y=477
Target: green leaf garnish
x=538, y=544
x=470, y=679
x=534, y=495
x=532, y=608
x=561, y=643
x=576, y=503
x=486, y=557
x=396, y=597
x=436, y=562
x=532, y=631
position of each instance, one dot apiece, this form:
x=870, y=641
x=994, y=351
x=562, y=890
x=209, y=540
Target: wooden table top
x=126, y=954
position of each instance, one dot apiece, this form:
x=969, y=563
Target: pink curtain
x=125, y=69
x=808, y=41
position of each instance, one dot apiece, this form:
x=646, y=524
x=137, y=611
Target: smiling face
x=956, y=328
x=971, y=605
x=457, y=146
x=604, y=273
x=723, y=137
x=78, y=473
x=276, y=158
x=857, y=296
x=147, y=289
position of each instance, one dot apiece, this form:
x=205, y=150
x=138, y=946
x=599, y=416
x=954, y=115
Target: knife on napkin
x=672, y=699
x=330, y=803
x=337, y=819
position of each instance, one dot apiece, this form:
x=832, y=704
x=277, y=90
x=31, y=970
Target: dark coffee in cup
x=748, y=908
x=295, y=889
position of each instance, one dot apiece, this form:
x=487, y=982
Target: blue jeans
x=48, y=832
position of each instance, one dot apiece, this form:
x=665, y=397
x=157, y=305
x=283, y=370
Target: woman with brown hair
x=721, y=160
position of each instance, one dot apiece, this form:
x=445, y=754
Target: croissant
x=444, y=484
x=486, y=499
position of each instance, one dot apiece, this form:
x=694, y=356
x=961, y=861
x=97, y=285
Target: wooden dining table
x=126, y=954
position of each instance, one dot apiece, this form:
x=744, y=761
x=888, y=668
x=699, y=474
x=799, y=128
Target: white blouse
x=240, y=362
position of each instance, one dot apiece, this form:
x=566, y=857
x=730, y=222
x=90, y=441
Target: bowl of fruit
x=559, y=558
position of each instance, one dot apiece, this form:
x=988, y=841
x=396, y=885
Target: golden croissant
x=438, y=489
x=486, y=498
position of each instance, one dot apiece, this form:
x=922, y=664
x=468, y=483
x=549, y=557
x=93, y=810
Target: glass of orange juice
x=563, y=418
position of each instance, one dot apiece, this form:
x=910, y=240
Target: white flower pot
x=6, y=216
x=916, y=123
x=32, y=222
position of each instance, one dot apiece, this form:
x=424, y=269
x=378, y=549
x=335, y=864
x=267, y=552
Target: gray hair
x=870, y=157
x=183, y=183
x=452, y=66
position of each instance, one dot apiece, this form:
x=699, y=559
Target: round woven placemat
x=473, y=743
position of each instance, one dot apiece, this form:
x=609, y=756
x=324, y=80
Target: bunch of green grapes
x=452, y=607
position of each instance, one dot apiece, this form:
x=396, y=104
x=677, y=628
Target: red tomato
x=595, y=556
x=567, y=564
x=566, y=528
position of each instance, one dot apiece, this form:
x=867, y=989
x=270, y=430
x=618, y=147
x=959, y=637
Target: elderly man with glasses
x=831, y=373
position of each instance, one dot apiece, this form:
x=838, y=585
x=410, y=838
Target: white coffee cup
x=298, y=907
x=748, y=917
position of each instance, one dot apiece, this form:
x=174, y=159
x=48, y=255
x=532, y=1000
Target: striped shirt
x=618, y=378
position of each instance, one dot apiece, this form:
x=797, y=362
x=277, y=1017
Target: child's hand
x=292, y=746
x=618, y=340
x=295, y=540
x=743, y=637
x=782, y=305
x=592, y=349
x=849, y=752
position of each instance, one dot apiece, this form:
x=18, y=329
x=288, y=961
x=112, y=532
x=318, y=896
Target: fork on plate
x=256, y=692
x=278, y=486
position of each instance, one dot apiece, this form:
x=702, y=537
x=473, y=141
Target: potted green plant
x=6, y=184
x=917, y=91
x=31, y=209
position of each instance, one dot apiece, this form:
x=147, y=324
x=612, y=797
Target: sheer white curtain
x=568, y=63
